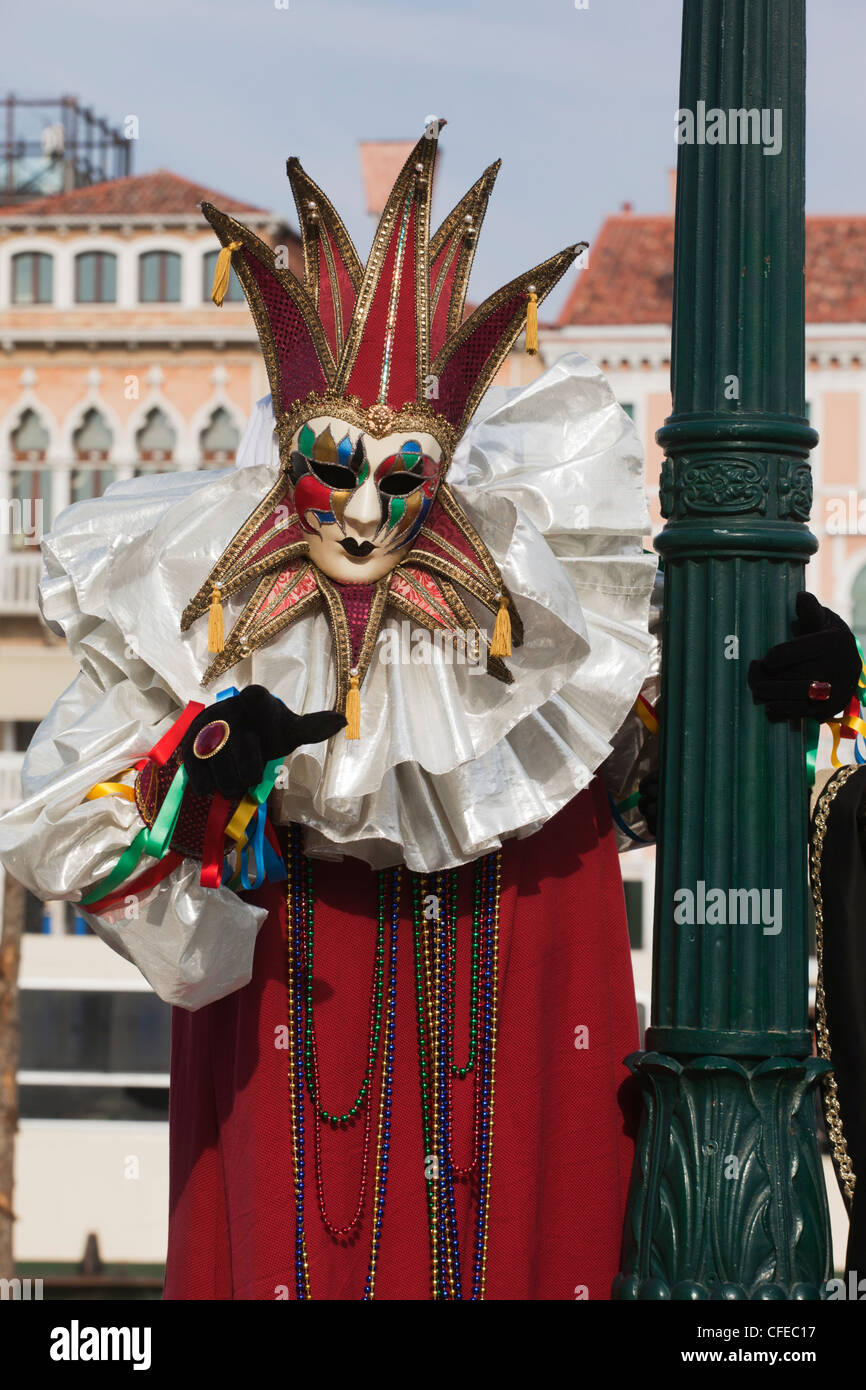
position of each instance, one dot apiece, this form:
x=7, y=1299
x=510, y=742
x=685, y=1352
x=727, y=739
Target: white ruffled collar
x=451, y=762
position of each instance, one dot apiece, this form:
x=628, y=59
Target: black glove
x=648, y=801
x=823, y=649
x=260, y=727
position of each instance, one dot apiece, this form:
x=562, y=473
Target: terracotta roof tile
x=629, y=278
x=159, y=194
x=836, y=269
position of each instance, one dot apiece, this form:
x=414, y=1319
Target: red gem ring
x=210, y=739
x=819, y=690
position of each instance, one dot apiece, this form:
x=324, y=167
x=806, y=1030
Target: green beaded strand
x=378, y=998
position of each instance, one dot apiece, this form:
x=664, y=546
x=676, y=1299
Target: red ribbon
x=213, y=848
x=162, y=751
x=142, y=884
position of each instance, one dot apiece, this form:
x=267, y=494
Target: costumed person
x=837, y=865
x=378, y=875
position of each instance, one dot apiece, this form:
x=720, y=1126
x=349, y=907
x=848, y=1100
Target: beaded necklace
x=435, y=955
x=303, y=1060
x=434, y=918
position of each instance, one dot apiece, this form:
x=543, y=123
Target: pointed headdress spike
x=387, y=353
x=452, y=251
x=332, y=267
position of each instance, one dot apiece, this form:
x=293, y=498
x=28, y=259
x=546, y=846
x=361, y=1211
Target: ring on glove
x=210, y=739
x=819, y=690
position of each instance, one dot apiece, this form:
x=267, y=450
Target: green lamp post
x=727, y=1197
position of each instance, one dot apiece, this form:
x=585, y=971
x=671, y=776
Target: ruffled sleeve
x=192, y=944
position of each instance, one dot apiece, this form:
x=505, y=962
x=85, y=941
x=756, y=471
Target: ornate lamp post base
x=728, y=1198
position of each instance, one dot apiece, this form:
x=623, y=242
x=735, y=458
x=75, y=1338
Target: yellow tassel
x=222, y=272
x=532, y=323
x=215, y=628
x=353, y=709
x=500, y=644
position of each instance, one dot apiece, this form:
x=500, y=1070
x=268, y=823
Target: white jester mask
x=361, y=501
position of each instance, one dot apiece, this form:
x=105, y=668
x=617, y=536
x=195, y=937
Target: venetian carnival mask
x=374, y=375
x=361, y=501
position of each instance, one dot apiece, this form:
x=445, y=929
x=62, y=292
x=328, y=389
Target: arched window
x=234, y=291
x=32, y=278
x=92, y=444
x=29, y=482
x=155, y=442
x=219, y=440
x=30, y=437
x=858, y=606
x=159, y=277
x=95, y=278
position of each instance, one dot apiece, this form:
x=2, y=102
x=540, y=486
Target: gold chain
x=832, y=1112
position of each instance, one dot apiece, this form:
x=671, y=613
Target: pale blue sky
x=578, y=103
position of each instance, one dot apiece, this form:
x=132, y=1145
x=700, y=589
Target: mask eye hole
x=334, y=475
x=400, y=484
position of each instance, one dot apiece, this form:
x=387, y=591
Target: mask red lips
x=357, y=549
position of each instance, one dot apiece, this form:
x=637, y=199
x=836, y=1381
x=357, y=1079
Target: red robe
x=564, y=1113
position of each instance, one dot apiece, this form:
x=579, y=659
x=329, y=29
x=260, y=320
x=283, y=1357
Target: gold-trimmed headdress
x=383, y=348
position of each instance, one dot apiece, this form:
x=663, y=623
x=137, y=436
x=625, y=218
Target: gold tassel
x=500, y=644
x=532, y=323
x=222, y=272
x=353, y=709
x=215, y=628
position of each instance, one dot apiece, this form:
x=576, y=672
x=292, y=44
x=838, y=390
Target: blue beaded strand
x=387, y=1082
x=445, y=1053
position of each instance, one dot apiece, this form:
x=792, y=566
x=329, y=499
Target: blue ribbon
x=267, y=863
x=620, y=823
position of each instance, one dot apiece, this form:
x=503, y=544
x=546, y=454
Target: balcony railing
x=54, y=486
x=19, y=582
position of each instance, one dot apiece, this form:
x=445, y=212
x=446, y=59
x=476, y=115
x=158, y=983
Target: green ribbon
x=266, y=786
x=153, y=840
x=813, y=734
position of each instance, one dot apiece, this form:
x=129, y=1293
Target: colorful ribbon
x=646, y=713
x=266, y=863
x=616, y=808
x=852, y=725
x=111, y=789
x=254, y=844
x=162, y=751
x=143, y=884
x=813, y=734
x=152, y=840
x=648, y=716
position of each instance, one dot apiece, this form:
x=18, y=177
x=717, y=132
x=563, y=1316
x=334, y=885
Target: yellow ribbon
x=111, y=789
x=646, y=714
x=243, y=814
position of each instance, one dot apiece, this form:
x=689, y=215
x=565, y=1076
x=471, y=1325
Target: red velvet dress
x=563, y=1123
